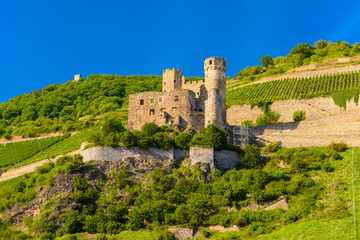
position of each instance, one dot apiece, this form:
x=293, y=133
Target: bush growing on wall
x=182, y=140
x=299, y=116
x=213, y=137
x=150, y=128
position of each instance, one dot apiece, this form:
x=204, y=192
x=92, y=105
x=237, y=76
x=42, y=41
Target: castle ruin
x=183, y=105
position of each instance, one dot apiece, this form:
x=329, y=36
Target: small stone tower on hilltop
x=172, y=79
x=215, y=84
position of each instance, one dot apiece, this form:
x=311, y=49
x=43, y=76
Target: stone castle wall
x=183, y=105
x=176, y=108
x=116, y=154
x=224, y=159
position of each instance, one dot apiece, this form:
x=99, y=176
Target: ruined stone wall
x=177, y=107
x=226, y=159
x=194, y=86
x=172, y=79
x=116, y=154
x=202, y=155
x=315, y=108
x=223, y=159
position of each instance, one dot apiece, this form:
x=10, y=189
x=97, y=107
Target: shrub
x=205, y=233
x=247, y=123
x=162, y=140
x=182, y=140
x=338, y=147
x=165, y=235
x=68, y=164
x=128, y=139
x=112, y=125
x=335, y=155
x=214, y=137
x=150, y=128
x=262, y=120
x=272, y=147
x=45, y=168
x=299, y=116
x=252, y=157
x=327, y=167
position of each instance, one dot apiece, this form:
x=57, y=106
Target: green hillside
x=136, y=200
x=58, y=107
x=25, y=152
x=301, y=54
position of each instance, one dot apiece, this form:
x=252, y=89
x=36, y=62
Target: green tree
x=303, y=48
x=266, y=61
x=113, y=125
x=213, y=137
x=182, y=140
x=150, y=128
x=252, y=157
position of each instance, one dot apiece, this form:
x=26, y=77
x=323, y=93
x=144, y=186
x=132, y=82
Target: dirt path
x=13, y=173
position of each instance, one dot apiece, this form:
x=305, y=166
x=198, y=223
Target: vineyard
x=62, y=147
x=13, y=153
x=293, y=88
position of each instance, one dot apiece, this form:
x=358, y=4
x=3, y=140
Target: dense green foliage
x=58, y=107
x=301, y=54
x=299, y=116
x=185, y=196
x=294, y=88
x=113, y=134
x=16, y=152
x=342, y=97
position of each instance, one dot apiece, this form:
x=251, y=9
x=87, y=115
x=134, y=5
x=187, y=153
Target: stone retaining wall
x=315, y=108
x=223, y=159
x=116, y=154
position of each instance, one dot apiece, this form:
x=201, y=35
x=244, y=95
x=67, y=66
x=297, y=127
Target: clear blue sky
x=47, y=42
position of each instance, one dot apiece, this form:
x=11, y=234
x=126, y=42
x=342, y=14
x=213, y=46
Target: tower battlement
x=215, y=62
x=172, y=79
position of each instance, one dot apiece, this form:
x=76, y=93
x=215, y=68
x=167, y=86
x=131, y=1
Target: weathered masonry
x=183, y=105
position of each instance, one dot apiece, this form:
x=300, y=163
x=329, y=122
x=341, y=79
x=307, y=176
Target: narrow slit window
x=141, y=101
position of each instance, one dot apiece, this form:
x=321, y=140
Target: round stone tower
x=215, y=84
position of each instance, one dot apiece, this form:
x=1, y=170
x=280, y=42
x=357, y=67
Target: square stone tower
x=172, y=79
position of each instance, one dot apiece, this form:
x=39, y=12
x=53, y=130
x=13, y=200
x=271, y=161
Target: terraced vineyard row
x=13, y=153
x=293, y=88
